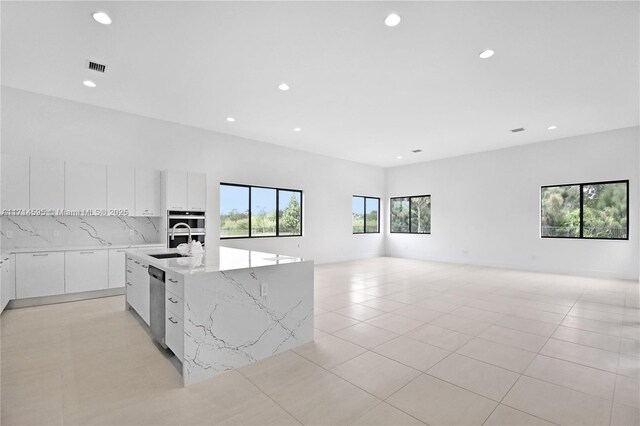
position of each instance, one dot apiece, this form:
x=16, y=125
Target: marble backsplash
x=65, y=231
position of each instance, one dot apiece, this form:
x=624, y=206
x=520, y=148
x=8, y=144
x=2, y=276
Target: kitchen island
x=226, y=307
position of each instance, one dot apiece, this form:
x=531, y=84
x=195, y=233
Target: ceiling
x=359, y=90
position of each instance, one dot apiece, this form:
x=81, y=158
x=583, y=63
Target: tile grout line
x=522, y=374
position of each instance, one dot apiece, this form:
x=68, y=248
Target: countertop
x=79, y=248
x=213, y=259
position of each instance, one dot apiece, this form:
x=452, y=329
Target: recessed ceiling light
x=296, y=129
x=392, y=20
x=102, y=18
x=283, y=86
x=552, y=127
x=487, y=54
x=89, y=83
x=231, y=119
x=399, y=157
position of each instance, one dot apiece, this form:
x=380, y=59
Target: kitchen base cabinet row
x=26, y=275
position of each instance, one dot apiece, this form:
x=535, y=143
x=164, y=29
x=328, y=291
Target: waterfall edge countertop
x=225, y=308
x=213, y=259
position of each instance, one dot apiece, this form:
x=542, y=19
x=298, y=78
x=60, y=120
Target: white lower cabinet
x=8, y=280
x=174, y=304
x=138, y=287
x=86, y=270
x=174, y=334
x=117, y=262
x=39, y=274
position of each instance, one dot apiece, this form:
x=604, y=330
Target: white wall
x=486, y=207
x=39, y=125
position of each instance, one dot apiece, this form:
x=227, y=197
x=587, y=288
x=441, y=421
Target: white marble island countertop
x=213, y=259
x=227, y=307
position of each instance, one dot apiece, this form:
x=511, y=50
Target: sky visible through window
x=234, y=198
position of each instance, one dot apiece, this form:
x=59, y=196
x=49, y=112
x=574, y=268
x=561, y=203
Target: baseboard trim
x=63, y=298
x=590, y=273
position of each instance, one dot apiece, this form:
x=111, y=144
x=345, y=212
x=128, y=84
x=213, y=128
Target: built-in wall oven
x=195, y=220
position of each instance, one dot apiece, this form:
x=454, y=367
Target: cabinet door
x=143, y=280
x=120, y=190
x=86, y=270
x=138, y=288
x=15, y=182
x=174, y=334
x=197, y=189
x=117, y=263
x=85, y=187
x=176, y=190
x=147, y=192
x=8, y=280
x=39, y=274
x=46, y=184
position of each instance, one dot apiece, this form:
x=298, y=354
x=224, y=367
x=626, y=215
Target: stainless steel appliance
x=156, y=304
x=180, y=235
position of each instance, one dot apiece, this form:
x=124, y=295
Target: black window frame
x=391, y=231
x=241, y=185
x=365, y=214
x=582, y=185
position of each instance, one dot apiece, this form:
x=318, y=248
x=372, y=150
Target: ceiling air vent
x=97, y=67
x=519, y=129
x=416, y=151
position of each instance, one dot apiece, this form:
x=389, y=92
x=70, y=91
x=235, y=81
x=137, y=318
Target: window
x=411, y=215
x=234, y=211
x=366, y=215
x=290, y=213
x=598, y=210
x=255, y=211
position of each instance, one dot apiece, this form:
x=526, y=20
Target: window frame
x=409, y=197
x=241, y=185
x=364, y=228
x=582, y=185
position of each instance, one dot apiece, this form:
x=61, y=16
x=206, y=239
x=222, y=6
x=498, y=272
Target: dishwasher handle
x=156, y=273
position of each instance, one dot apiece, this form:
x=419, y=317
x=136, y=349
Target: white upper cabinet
x=147, y=192
x=184, y=190
x=196, y=190
x=120, y=190
x=85, y=187
x=15, y=182
x=176, y=190
x=46, y=184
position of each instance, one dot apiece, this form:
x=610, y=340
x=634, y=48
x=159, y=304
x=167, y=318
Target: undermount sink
x=167, y=255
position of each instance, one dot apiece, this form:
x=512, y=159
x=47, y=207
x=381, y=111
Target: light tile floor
x=398, y=342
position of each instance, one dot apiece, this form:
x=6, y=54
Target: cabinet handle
x=130, y=271
x=128, y=258
x=145, y=266
x=128, y=283
x=172, y=301
x=171, y=319
x=41, y=254
x=173, y=281
x=86, y=252
x=136, y=262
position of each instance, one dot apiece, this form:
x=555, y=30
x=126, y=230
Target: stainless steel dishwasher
x=156, y=304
